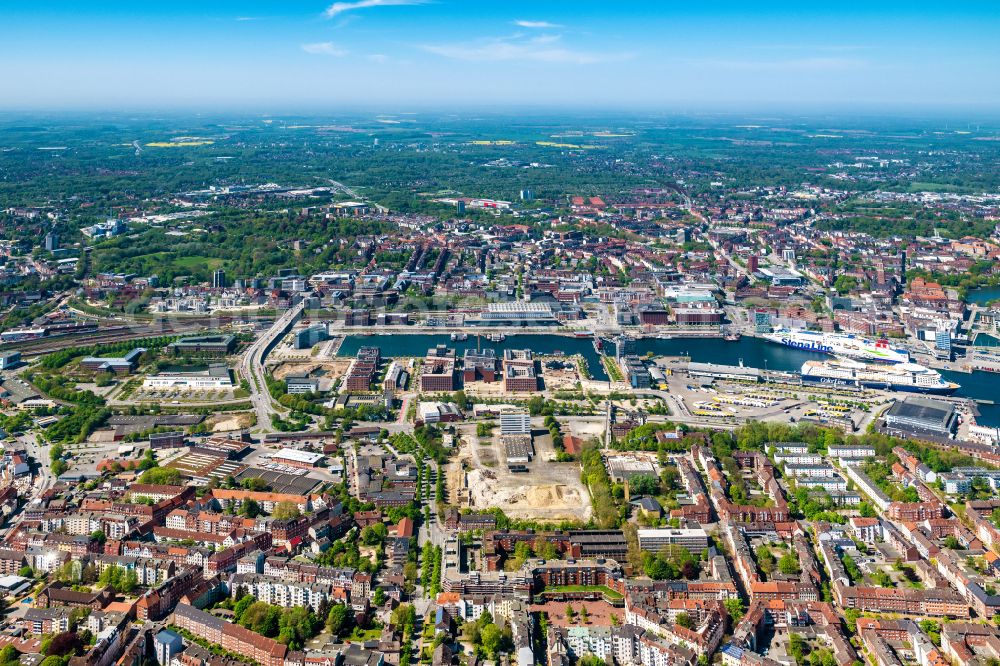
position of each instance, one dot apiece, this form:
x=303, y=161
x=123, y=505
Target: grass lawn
x=361, y=635
x=606, y=591
x=188, y=263
x=922, y=186
x=193, y=262
x=614, y=372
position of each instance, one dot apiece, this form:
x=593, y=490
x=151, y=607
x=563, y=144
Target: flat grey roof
x=922, y=409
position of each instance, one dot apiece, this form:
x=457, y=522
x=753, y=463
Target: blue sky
x=261, y=56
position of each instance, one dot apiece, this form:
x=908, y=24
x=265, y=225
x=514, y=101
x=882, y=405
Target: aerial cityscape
x=499, y=334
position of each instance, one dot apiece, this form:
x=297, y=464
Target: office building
x=479, y=365
x=519, y=370
x=299, y=384
x=515, y=421
x=942, y=340
x=165, y=645
x=9, y=360
x=205, y=344
x=215, y=377
x=309, y=337
x=166, y=440
x=120, y=366
x=438, y=371
x=762, y=321
x=654, y=540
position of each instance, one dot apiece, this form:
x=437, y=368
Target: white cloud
x=341, y=7
x=246, y=18
x=378, y=57
x=506, y=49
x=537, y=24
x=324, y=48
x=805, y=64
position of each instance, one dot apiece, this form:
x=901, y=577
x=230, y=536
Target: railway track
x=120, y=334
x=47, y=345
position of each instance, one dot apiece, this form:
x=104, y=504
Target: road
x=44, y=479
x=252, y=366
x=344, y=189
x=432, y=530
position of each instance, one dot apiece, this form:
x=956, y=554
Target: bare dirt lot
x=599, y=613
x=227, y=422
x=565, y=378
x=333, y=369
x=584, y=427
x=548, y=491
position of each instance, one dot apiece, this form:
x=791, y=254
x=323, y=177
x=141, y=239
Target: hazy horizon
x=895, y=58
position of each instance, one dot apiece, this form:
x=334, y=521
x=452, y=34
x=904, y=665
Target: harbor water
x=418, y=344
x=753, y=352
x=984, y=295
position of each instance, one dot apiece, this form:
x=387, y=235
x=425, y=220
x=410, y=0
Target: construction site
x=479, y=477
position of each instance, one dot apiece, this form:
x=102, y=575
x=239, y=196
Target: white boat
x=459, y=336
x=838, y=344
x=908, y=377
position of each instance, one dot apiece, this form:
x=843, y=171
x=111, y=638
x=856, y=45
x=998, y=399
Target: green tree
x=491, y=639
x=788, y=564
x=735, y=609
x=286, y=510
x=262, y=618
x=296, y=626
x=338, y=620
x=765, y=559
x=851, y=567
x=241, y=607
x=545, y=549
x=255, y=483
x=166, y=476
x=404, y=616
x=250, y=508
x=933, y=631
x=591, y=660
x=797, y=647
x=9, y=654
x=373, y=535
x=644, y=484
x=845, y=283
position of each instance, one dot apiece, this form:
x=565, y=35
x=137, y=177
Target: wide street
x=252, y=366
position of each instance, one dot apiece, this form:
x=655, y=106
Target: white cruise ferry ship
x=902, y=377
x=838, y=344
